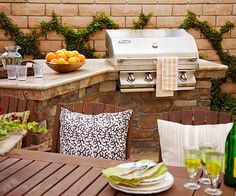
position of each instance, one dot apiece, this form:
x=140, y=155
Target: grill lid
x=129, y=47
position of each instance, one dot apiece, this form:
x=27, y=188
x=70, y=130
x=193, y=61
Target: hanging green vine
x=219, y=101
x=142, y=20
x=75, y=40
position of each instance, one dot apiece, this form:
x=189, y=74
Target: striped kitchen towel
x=167, y=76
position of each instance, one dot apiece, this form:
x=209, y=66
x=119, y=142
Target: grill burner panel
x=135, y=52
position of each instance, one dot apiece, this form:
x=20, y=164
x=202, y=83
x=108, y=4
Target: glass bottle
x=230, y=157
x=11, y=56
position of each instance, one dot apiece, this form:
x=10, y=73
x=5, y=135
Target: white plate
x=165, y=184
x=151, y=181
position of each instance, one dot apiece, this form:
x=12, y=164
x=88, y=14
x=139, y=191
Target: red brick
x=221, y=20
x=20, y=21
x=99, y=45
x=50, y=46
x=210, y=55
x=148, y=121
x=28, y=9
x=173, y=1
x=77, y=1
x=226, y=1
x=228, y=87
x=36, y=20
x=93, y=10
x=182, y=10
x=62, y=9
x=203, y=44
x=233, y=32
x=217, y=9
x=142, y=134
x=13, y=1
x=125, y=10
x=229, y=43
x=210, y=19
x=232, y=52
x=194, y=33
x=119, y=20
x=203, y=84
x=185, y=103
x=203, y=1
x=77, y=22
x=6, y=8
x=98, y=35
x=158, y=10
x=169, y=22
x=54, y=36
x=109, y=1
x=44, y=1
x=142, y=1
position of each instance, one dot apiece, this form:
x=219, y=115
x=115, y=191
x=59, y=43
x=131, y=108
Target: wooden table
x=35, y=173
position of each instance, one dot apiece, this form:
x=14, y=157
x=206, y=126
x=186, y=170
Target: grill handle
x=121, y=60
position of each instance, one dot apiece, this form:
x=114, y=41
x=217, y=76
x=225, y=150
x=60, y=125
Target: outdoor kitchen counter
x=51, y=79
x=93, y=72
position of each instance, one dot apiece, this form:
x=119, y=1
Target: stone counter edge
x=207, y=69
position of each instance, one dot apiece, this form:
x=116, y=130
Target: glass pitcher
x=11, y=56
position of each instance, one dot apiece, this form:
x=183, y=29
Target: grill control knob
x=154, y=45
x=183, y=76
x=148, y=77
x=130, y=78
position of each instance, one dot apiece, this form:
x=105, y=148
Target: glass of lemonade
x=204, y=148
x=192, y=163
x=214, y=163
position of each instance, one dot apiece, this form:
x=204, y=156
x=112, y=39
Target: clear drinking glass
x=38, y=70
x=204, y=148
x=214, y=163
x=192, y=163
x=11, y=72
x=21, y=72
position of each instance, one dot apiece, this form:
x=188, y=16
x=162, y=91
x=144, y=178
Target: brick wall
x=79, y=13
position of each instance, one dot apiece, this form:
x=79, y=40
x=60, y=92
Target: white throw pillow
x=174, y=136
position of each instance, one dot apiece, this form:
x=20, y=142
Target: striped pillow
x=174, y=136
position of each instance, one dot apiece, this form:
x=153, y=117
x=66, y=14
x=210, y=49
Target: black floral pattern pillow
x=99, y=136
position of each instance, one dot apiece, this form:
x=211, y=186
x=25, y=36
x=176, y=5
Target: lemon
x=75, y=53
x=72, y=60
x=69, y=54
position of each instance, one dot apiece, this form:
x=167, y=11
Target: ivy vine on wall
x=219, y=101
x=75, y=39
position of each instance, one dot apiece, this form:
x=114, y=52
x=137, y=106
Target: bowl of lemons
x=64, y=61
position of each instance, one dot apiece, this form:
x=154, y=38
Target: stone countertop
x=208, y=65
x=92, y=67
x=51, y=79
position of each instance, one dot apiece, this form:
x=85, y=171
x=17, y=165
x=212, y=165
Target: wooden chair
x=196, y=117
x=86, y=108
x=12, y=104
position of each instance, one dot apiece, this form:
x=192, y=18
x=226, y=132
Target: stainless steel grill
x=135, y=53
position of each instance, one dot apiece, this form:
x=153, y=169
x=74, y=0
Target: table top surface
x=24, y=172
